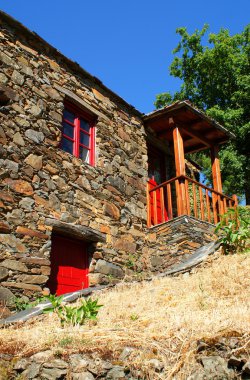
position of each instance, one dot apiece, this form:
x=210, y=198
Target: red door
x=69, y=265
x=156, y=174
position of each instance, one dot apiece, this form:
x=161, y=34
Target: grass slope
x=162, y=319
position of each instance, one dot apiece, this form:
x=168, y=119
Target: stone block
x=20, y=285
x=4, y=273
x=4, y=227
x=27, y=231
x=35, y=161
x=6, y=295
x=19, y=186
x=34, y=136
x=14, y=265
x=107, y=268
x=6, y=196
x=111, y=210
x=124, y=245
x=13, y=242
x=156, y=261
x=33, y=279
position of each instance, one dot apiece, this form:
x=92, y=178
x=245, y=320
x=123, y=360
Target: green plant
x=234, y=230
x=74, y=315
x=20, y=303
x=65, y=341
x=134, y=317
x=55, y=303
x=131, y=262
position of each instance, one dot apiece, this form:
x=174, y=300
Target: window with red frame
x=78, y=135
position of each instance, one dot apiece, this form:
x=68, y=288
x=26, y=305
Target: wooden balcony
x=184, y=196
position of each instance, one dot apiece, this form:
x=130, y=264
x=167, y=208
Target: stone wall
x=173, y=242
x=44, y=189
x=40, y=182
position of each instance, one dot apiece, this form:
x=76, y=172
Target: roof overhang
x=198, y=131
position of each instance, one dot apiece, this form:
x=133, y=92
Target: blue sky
x=127, y=44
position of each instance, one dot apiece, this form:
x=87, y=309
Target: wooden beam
x=178, y=152
x=216, y=174
x=180, y=169
x=197, y=136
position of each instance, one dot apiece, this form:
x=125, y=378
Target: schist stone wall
x=44, y=189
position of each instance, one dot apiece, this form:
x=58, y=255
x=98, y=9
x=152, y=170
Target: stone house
x=92, y=191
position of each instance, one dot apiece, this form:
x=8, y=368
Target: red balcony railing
x=184, y=196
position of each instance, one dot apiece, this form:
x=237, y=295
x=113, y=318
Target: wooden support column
x=180, y=169
x=217, y=185
x=216, y=168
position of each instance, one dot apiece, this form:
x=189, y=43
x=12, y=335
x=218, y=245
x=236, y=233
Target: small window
x=78, y=134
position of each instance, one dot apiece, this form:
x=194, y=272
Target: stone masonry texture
x=39, y=181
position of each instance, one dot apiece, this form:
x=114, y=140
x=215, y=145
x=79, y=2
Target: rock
x=35, y=161
x=29, y=232
x=17, y=138
x=3, y=78
x=42, y=357
x=4, y=312
x=32, y=371
x=35, y=110
x=19, y=186
x=15, y=217
x=246, y=368
x=235, y=362
x=156, y=261
x=116, y=373
x=4, y=227
x=17, y=78
x=125, y=245
x=21, y=364
x=33, y=279
x=27, y=203
x=6, y=296
x=201, y=346
x=111, y=210
x=14, y=265
x=156, y=364
x=11, y=166
x=35, y=136
x=53, y=373
x=104, y=267
x=12, y=242
x=126, y=353
x=4, y=273
x=82, y=376
x=216, y=365
x=56, y=363
x=78, y=363
x=22, y=122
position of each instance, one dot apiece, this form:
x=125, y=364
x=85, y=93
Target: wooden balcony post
x=180, y=169
x=216, y=168
x=216, y=175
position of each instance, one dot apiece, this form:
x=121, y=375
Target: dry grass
x=161, y=319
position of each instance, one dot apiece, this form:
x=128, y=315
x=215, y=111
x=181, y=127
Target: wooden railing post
x=216, y=174
x=235, y=199
x=203, y=199
x=180, y=170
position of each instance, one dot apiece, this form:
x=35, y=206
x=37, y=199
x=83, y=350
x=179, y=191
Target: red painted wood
x=157, y=173
x=78, y=116
x=69, y=265
x=158, y=210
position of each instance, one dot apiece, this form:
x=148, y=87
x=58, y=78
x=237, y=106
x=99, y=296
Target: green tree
x=216, y=78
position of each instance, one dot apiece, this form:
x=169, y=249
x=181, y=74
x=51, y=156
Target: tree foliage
x=216, y=78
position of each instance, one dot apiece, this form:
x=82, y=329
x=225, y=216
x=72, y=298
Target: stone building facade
x=46, y=191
